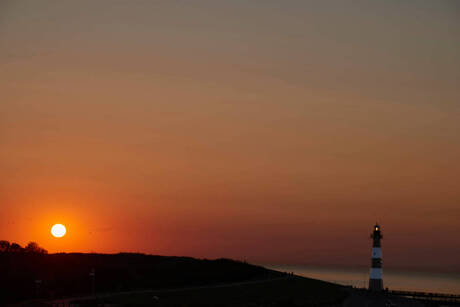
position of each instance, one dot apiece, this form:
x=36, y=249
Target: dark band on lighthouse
x=375, y=280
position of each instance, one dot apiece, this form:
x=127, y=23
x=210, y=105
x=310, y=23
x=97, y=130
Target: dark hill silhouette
x=26, y=275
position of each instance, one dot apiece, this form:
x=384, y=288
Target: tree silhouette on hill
x=4, y=246
x=31, y=247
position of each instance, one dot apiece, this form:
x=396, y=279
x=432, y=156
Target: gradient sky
x=271, y=131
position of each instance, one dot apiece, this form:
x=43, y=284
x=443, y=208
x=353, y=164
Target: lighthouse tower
x=375, y=279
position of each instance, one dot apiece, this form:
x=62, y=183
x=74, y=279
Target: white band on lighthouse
x=376, y=252
x=376, y=273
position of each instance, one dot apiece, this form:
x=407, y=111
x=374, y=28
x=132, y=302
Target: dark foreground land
x=38, y=278
x=288, y=291
x=145, y=280
x=283, y=291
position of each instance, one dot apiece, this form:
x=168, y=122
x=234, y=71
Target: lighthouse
x=375, y=278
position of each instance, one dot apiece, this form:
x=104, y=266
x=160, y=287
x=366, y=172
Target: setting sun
x=58, y=230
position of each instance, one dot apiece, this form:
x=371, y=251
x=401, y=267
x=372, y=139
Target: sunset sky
x=270, y=131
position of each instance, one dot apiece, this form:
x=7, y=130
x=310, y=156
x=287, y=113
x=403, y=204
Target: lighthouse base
x=375, y=284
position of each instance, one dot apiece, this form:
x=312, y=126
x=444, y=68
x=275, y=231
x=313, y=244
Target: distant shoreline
x=393, y=279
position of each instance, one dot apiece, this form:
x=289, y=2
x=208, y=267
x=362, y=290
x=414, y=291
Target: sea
x=448, y=283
